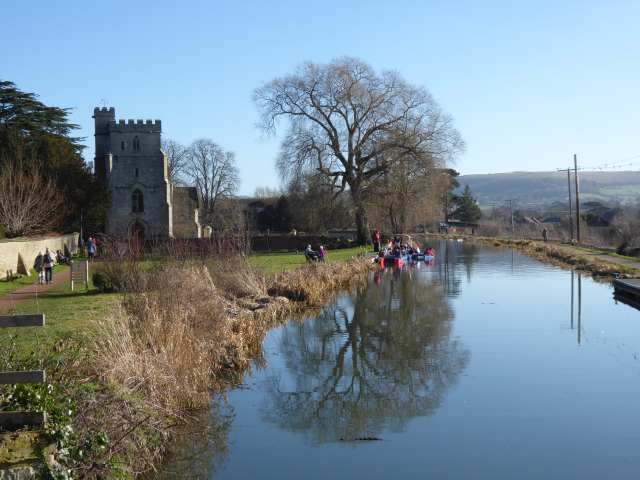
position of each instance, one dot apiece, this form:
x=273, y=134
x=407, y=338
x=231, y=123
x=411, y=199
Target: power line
x=623, y=162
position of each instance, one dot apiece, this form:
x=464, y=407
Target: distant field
x=539, y=188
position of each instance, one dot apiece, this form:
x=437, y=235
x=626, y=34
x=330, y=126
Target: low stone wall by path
x=18, y=254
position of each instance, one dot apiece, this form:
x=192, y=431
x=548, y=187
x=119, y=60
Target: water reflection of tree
x=200, y=448
x=366, y=363
x=452, y=255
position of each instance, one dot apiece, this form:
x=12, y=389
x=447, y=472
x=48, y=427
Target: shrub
x=102, y=282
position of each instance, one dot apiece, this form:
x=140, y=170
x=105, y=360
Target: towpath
x=598, y=254
x=10, y=300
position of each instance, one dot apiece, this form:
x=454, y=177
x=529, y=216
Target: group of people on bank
x=44, y=263
x=315, y=255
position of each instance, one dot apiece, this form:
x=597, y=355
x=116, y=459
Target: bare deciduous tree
x=214, y=173
x=403, y=195
x=352, y=125
x=266, y=192
x=177, y=156
x=29, y=203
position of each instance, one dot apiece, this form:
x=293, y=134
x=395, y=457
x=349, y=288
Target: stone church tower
x=131, y=164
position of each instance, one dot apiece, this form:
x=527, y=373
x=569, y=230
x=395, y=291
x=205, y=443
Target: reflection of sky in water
x=530, y=393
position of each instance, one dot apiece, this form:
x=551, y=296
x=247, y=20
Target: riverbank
x=145, y=365
x=595, y=261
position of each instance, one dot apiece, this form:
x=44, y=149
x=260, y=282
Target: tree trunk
x=362, y=226
x=392, y=220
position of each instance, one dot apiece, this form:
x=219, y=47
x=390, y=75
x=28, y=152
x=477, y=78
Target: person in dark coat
x=47, y=263
x=38, y=266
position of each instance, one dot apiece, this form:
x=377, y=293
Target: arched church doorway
x=137, y=235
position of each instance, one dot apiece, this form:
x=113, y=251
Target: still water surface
x=478, y=366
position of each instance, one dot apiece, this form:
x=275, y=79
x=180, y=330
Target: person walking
x=91, y=248
x=38, y=266
x=47, y=262
x=545, y=235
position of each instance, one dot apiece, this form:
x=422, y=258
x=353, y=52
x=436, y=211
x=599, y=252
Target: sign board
x=79, y=273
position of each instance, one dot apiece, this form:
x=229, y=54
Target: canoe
x=422, y=256
x=389, y=260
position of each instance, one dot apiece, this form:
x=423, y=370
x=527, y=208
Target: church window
x=136, y=173
x=137, y=202
x=136, y=144
x=123, y=145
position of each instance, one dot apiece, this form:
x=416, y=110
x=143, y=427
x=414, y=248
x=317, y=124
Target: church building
x=130, y=163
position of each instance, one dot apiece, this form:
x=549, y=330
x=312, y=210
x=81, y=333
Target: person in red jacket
x=375, y=238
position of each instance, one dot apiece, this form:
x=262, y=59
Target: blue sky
x=528, y=83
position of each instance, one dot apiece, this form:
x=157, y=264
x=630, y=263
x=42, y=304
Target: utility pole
x=570, y=206
x=511, y=210
x=575, y=167
x=579, y=307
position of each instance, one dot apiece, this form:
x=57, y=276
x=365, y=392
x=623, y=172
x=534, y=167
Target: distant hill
x=542, y=188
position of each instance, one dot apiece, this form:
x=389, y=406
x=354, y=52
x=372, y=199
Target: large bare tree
x=177, y=156
x=353, y=126
x=29, y=202
x=214, y=173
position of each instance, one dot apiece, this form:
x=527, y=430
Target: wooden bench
x=16, y=420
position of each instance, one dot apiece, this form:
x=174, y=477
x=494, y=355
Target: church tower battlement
x=147, y=126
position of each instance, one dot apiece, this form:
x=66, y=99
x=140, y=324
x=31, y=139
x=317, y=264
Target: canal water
x=484, y=364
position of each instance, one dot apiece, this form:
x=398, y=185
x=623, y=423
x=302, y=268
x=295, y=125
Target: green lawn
x=67, y=313
x=272, y=263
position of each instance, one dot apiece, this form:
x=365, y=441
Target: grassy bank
x=68, y=314
x=272, y=263
x=128, y=370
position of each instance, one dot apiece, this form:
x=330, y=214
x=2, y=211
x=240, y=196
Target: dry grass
x=315, y=282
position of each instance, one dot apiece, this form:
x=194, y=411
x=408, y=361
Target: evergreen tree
x=467, y=209
x=22, y=112
x=450, y=197
x=283, y=215
x=275, y=217
x=39, y=138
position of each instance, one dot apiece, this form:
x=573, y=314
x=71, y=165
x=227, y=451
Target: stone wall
x=185, y=203
x=16, y=254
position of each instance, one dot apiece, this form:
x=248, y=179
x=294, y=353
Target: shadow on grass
x=29, y=295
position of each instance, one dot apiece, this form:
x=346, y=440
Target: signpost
x=79, y=273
